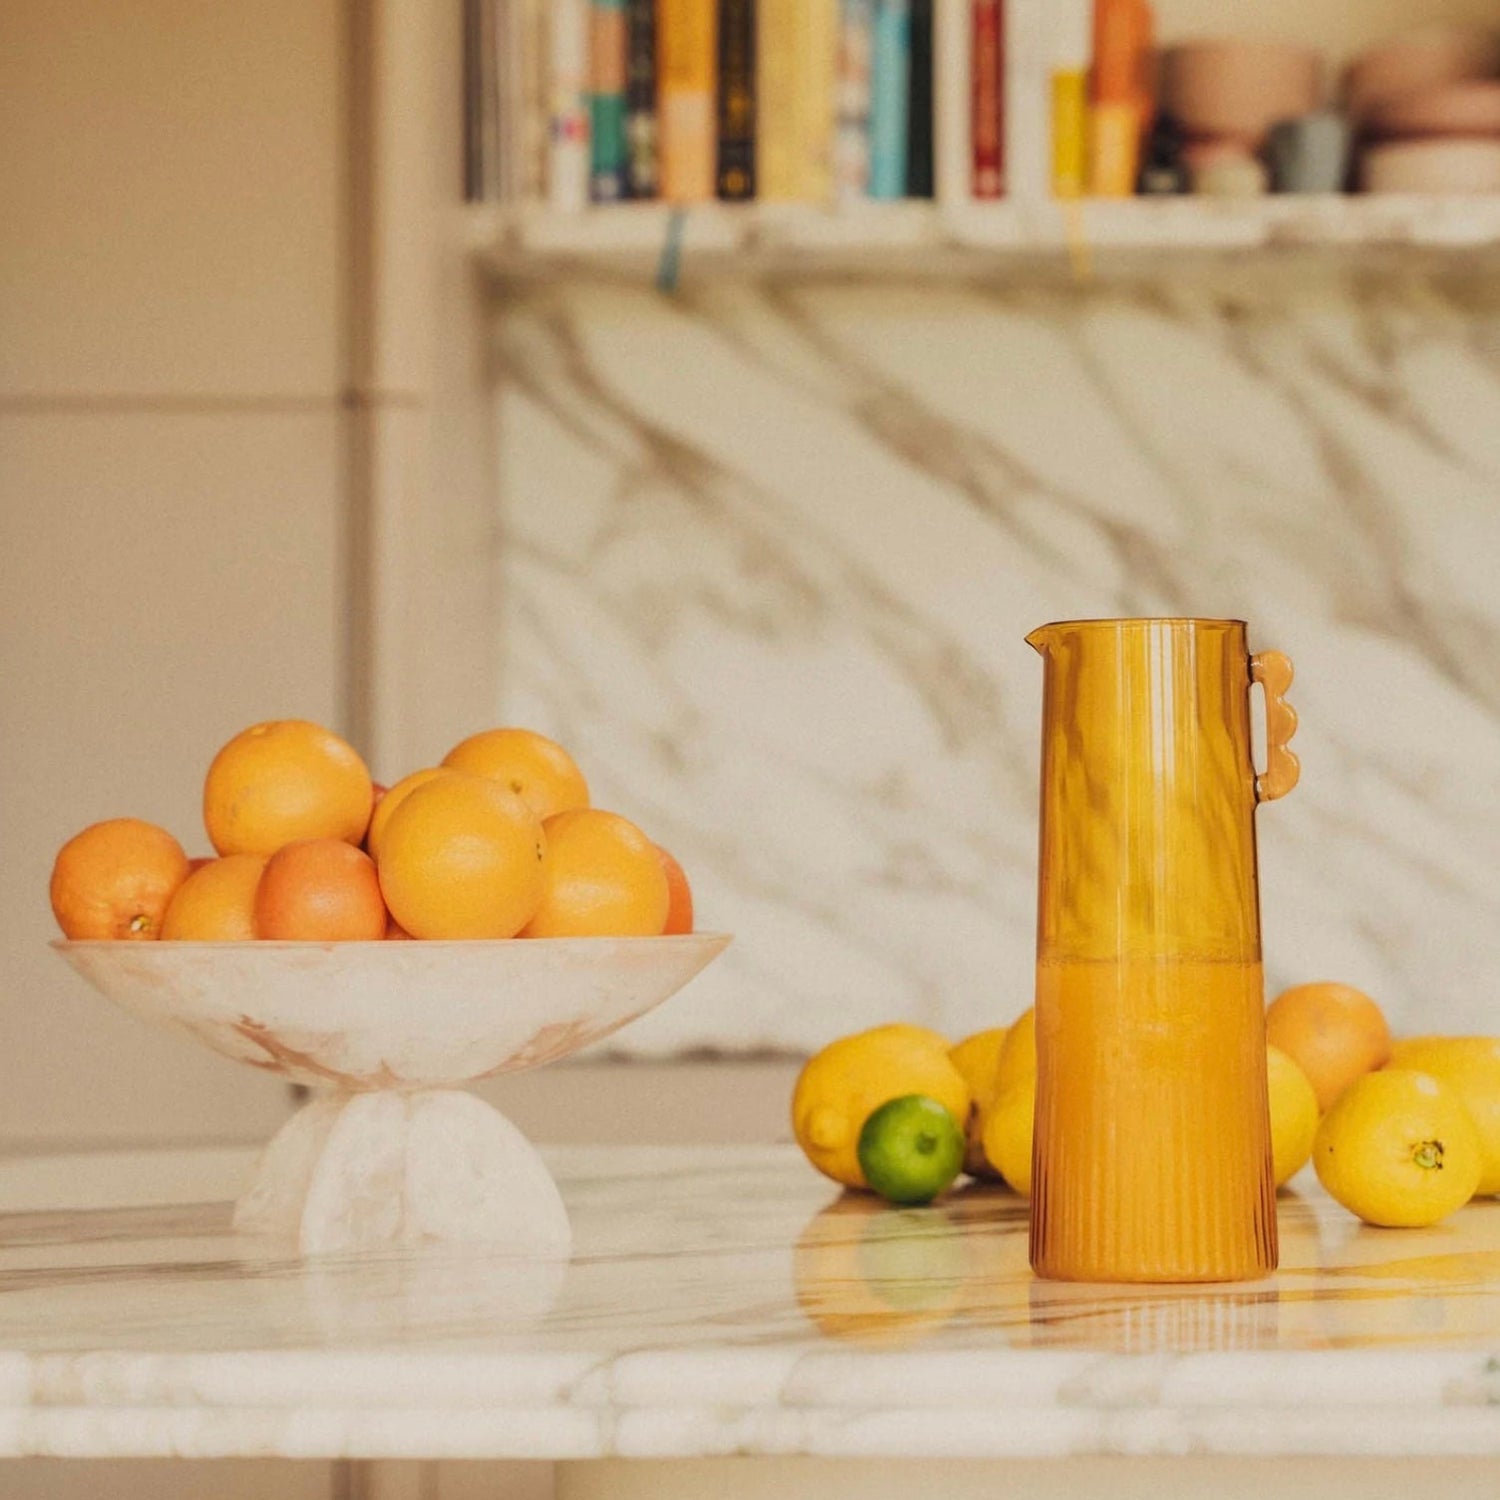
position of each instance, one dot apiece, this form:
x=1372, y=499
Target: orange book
x=1121, y=105
x=1121, y=30
x=686, y=44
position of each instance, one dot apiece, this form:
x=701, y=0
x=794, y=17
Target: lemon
x=1411, y=1046
x=1294, y=1115
x=911, y=1031
x=1007, y=1133
x=840, y=1087
x=1017, y=1059
x=977, y=1057
x=911, y=1149
x=1470, y=1066
x=1398, y=1149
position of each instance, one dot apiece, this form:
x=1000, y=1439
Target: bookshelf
x=924, y=237
x=536, y=218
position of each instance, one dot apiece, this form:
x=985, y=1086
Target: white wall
x=172, y=527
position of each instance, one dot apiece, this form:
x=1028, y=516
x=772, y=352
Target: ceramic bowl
x=1469, y=109
x=1239, y=88
x=392, y=1151
x=1425, y=58
x=370, y=1016
x=1436, y=166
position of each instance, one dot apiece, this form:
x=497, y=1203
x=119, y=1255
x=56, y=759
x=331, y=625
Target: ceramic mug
x=1309, y=154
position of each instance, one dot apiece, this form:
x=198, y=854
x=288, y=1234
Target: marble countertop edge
x=685, y=1431
x=859, y=1383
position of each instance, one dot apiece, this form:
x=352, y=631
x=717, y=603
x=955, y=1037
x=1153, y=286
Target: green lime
x=910, y=1149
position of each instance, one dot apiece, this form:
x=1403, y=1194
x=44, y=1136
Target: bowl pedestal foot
x=359, y=1171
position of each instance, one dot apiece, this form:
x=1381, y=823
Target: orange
x=538, y=770
x=386, y=805
x=602, y=878
x=462, y=858
x=320, y=891
x=679, y=895
x=115, y=880
x=216, y=904
x=282, y=782
x=1333, y=1032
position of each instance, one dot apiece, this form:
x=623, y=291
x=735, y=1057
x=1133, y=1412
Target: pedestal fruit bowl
x=392, y=1150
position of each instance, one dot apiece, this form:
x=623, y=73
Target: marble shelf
x=922, y=236
x=720, y=1301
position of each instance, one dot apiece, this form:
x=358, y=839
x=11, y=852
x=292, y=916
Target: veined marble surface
x=719, y=1301
x=766, y=552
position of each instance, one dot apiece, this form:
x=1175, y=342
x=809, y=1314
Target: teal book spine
x=608, y=145
x=890, y=84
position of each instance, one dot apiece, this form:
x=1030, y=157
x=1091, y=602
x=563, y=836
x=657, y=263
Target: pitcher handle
x=1273, y=671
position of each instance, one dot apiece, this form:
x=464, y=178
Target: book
x=607, y=62
x=1071, y=24
x=1119, y=96
x=524, y=82
x=735, y=175
x=1026, y=100
x=890, y=73
x=953, y=102
x=686, y=58
x=519, y=44
x=919, y=105
x=988, y=96
x=796, y=67
x=473, y=102
x=506, y=164
x=640, y=98
x=493, y=184
x=568, y=116
x=851, y=154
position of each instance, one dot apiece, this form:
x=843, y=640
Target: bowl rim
x=406, y=945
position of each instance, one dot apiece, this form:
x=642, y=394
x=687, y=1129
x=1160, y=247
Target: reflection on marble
x=724, y=1301
x=766, y=551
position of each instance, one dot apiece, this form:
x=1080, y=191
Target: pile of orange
x=498, y=841
x=1406, y=1131
x=1402, y=1132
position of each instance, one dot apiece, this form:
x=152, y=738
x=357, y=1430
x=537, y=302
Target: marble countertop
x=720, y=1301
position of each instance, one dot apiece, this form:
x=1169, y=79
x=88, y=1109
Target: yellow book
x=685, y=74
x=797, y=59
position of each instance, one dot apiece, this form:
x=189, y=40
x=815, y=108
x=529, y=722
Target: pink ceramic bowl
x=1239, y=88
x=1446, y=109
x=1437, y=166
x=1422, y=59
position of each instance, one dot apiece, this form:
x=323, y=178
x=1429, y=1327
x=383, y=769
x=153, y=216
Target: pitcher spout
x=1039, y=638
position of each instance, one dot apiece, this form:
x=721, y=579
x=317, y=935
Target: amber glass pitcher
x=1152, y=1156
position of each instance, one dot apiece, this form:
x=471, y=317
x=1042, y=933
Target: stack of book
x=572, y=102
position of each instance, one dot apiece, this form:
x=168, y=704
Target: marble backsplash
x=767, y=551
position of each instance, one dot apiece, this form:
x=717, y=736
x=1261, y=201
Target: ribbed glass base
x=1152, y=1160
